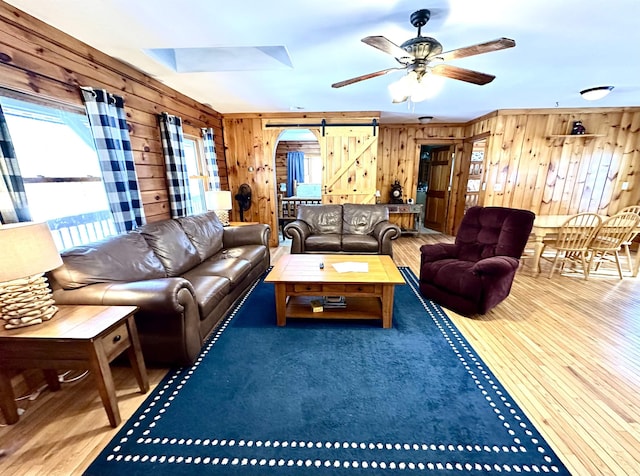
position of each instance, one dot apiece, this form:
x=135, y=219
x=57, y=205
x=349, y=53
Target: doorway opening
x=475, y=181
x=434, y=184
x=298, y=168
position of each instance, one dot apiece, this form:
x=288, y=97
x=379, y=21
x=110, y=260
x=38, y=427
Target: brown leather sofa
x=184, y=274
x=348, y=228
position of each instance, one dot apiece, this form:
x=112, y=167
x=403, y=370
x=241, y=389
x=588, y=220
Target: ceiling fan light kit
x=416, y=87
x=423, y=59
x=593, y=94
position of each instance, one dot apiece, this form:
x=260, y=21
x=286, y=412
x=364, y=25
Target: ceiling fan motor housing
x=422, y=47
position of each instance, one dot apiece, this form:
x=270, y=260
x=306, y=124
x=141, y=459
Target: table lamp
x=220, y=202
x=28, y=251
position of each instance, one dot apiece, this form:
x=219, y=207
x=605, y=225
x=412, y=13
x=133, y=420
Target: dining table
x=549, y=225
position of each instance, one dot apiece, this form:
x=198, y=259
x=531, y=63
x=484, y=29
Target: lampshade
x=593, y=94
x=218, y=200
x=27, y=249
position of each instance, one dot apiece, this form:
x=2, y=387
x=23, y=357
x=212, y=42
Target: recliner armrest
x=297, y=231
x=496, y=266
x=437, y=252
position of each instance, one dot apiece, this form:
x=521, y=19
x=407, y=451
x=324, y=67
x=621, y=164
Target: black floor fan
x=243, y=197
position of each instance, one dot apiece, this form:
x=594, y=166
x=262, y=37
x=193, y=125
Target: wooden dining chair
x=608, y=239
x=626, y=245
x=571, y=243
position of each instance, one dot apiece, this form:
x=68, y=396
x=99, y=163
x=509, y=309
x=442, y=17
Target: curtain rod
x=323, y=124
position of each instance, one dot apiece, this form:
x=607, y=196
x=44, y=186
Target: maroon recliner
x=475, y=273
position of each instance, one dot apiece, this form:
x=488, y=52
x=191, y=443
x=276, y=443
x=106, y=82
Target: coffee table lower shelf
x=357, y=308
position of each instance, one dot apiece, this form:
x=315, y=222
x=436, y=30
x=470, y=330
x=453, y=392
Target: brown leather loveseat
x=348, y=228
x=184, y=274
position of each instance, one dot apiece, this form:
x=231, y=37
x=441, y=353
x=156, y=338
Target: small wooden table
x=243, y=223
x=77, y=337
x=299, y=278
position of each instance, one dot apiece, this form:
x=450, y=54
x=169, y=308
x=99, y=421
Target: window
x=60, y=169
x=196, y=168
x=312, y=169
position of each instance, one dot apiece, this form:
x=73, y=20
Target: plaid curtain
x=211, y=159
x=108, y=124
x=13, y=199
x=176, y=165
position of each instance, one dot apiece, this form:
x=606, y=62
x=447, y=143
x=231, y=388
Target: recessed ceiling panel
x=208, y=60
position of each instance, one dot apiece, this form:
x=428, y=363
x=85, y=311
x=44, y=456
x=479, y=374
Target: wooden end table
x=77, y=337
x=298, y=279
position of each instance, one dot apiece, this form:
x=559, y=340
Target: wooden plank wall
x=251, y=151
x=40, y=60
x=528, y=166
x=310, y=149
x=399, y=156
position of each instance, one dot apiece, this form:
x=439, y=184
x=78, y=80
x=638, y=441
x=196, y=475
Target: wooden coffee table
x=298, y=280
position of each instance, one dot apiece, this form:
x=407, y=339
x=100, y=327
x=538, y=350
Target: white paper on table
x=352, y=266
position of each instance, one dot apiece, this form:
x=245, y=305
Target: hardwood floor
x=568, y=351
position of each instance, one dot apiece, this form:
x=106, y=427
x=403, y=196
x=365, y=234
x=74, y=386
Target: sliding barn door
x=350, y=164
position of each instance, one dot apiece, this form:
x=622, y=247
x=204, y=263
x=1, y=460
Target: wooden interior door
x=437, y=201
x=350, y=163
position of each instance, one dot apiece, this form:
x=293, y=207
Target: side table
x=77, y=337
x=243, y=223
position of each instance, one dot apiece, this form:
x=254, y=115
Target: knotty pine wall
x=40, y=60
x=399, y=157
x=528, y=166
x=251, y=151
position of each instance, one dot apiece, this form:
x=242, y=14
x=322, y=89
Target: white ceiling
x=562, y=46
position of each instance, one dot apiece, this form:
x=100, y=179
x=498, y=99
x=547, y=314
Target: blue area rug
x=330, y=398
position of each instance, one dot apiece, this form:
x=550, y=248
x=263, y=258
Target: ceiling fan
x=422, y=55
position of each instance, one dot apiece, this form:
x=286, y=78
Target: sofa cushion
x=359, y=243
x=205, y=232
x=171, y=245
x=325, y=242
x=119, y=258
x=234, y=269
x=362, y=219
x=324, y=219
x=210, y=290
x=254, y=254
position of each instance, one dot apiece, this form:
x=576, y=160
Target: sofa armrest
x=153, y=294
x=297, y=231
x=258, y=234
x=384, y=232
x=168, y=319
x=437, y=251
x=496, y=266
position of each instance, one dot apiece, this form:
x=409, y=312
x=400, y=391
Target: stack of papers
x=351, y=266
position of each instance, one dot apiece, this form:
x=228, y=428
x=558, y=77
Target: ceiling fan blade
x=495, y=45
x=388, y=46
x=462, y=74
x=346, y=82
